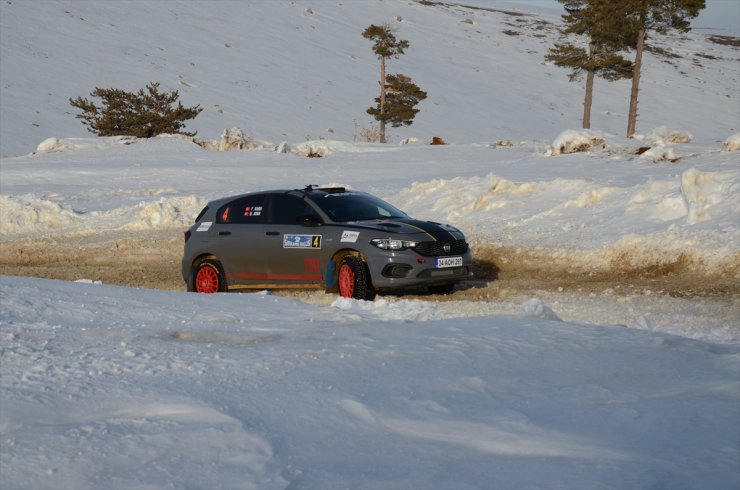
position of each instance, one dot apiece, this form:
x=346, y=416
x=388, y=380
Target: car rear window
x=242, y=211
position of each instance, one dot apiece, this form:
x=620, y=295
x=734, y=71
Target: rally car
x=333, y=238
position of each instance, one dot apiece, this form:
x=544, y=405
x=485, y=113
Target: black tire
x=442, y=288
x=353, y=278
x=207, y=277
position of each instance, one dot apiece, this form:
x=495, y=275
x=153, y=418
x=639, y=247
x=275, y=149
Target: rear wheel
x=207, y=277
x=354, y=279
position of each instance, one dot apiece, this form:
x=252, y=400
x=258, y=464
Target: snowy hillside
x=597, y=347
x=296, y=70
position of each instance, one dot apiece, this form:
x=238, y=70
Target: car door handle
x=272, y=233
x=223, y=233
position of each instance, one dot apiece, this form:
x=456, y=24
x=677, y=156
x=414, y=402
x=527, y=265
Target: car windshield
x=356, y=207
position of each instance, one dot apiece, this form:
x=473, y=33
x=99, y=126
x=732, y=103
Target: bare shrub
x=366, y=135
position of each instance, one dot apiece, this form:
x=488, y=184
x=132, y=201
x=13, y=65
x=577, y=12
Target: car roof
x=315, y=191
x=310, y=190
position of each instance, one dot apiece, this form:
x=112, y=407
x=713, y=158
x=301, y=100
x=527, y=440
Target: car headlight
x=393, y=244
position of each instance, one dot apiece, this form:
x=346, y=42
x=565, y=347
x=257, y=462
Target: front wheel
x=207, y=277
x=354, y=279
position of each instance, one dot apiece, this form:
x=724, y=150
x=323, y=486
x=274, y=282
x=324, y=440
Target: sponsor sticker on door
x=301, y=241
x=350, y=236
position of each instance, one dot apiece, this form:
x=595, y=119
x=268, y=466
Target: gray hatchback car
x=341, y=240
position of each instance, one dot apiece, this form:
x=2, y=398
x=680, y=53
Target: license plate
x=443, y=262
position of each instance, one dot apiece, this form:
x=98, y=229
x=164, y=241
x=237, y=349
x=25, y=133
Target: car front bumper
x=405, y=269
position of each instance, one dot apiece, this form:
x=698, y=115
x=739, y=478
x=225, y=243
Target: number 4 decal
x=301, y=241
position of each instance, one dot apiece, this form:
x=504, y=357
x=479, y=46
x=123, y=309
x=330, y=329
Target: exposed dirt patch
x=505, y=268
x=725, y=40
x=152, y=260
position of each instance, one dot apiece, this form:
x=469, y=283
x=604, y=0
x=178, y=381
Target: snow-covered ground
x=109, y=387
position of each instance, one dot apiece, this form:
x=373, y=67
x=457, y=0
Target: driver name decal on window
x=301, y=241
x=253, y=211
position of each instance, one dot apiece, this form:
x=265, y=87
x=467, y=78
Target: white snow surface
x=109, y=387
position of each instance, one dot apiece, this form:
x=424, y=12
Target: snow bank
x=663, y=134
x=536, y=308
x=659, y=153
x=732, y=143
x=381, y=308
x=24, y=214
x=690, y=197
x=105, y=143
x=56, y=145
x=176, y=212
x=31, y=216
x=659, y=140
x=232, y=139
x=709, y=193
x=575, y=141
x=323, y=148
x=570, y=220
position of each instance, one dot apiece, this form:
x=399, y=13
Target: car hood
x=409, y=226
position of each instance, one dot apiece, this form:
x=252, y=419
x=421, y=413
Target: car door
x=240, y=231
x=293, y=240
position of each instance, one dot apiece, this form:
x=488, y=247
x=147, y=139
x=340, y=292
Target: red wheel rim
x=346, y=281
x=206, y=280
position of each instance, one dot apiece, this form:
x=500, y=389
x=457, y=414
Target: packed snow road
x=671, y=296
x=604, y=237
x=152, y=260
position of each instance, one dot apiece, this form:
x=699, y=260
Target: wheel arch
x=332, y=267
x=201, y=257
x=196, y=262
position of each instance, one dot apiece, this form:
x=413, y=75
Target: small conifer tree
x=602, y=58
x=401, y=98
x=643, y=16
x=385, y=45
x=143, y=114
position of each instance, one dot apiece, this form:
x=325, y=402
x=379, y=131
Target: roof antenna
x=310, y=187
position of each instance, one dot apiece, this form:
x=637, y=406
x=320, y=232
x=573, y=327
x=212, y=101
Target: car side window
x=242, y=211
x=289, y=210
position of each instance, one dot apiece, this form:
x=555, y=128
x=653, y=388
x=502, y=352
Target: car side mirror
x=309, y=220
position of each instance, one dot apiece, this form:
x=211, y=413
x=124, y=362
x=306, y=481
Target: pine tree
x=585, y=17
x=141, y=114
x=385, y=46
x=644, y=16
x=401, y=96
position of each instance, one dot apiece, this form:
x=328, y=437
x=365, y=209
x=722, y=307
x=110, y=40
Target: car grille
x=436, y=249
